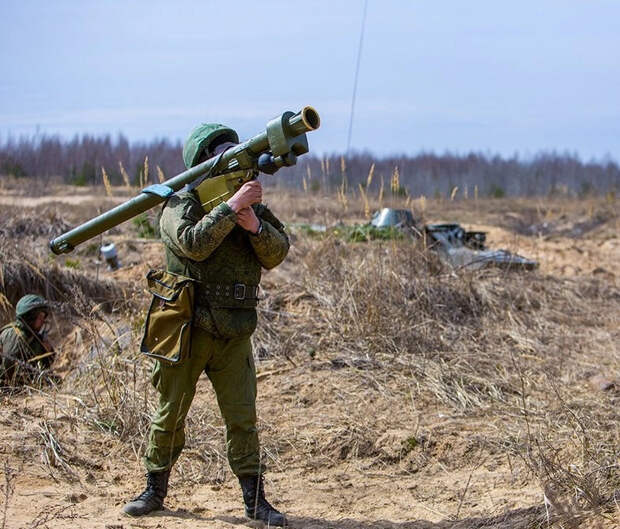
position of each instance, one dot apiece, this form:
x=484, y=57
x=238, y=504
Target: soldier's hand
x=247, y=219
x=249, y=193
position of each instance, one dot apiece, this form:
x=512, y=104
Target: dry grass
x=62, y=286
x=383, y=360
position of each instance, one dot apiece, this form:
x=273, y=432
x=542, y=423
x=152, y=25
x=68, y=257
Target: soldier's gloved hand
x=247, y=219
x=249, y=193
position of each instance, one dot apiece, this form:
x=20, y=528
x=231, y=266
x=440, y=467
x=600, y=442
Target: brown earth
x=491, y=424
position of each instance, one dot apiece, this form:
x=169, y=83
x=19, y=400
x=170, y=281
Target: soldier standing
x=224, y=251
x=25, y=352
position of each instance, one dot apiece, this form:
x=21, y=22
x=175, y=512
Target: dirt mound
x=32, y=224
x=529, y=223
x=72, y=290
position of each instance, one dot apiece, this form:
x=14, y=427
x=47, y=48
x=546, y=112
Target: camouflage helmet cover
x=30, y=302
x=202, y=137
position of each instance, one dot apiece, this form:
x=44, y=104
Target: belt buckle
x=239, y=291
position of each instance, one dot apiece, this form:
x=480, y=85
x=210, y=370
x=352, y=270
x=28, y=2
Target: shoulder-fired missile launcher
x=216, y=179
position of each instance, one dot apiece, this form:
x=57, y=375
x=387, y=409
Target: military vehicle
x=456, y=246
x=467, y=249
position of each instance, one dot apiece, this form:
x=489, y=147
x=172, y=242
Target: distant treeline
x=80, y=161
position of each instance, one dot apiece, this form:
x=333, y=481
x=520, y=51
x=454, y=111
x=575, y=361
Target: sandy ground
x=447, y=487
x=597, y=254
x=327, y=492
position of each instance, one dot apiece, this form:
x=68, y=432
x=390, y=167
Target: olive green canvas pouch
x=168, y=326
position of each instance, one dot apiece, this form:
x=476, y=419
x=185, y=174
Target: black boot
x=152, y=498
x=256, y=506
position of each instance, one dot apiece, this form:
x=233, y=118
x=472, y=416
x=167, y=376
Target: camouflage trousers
x=230, y=367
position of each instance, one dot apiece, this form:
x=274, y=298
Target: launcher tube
x=282, y=133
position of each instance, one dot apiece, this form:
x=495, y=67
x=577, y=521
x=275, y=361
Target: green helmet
x=201, y=139
x=30, y=302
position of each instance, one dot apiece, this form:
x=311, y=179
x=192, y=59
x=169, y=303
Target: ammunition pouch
x=168, y=326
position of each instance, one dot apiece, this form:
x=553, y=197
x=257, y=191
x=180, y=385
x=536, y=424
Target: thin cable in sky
x=357, y=71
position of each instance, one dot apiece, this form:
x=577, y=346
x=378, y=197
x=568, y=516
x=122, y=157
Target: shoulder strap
x=19, y=333
x=34, y=334
x=201, y=179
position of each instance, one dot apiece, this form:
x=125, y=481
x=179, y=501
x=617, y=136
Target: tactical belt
x=218, y=292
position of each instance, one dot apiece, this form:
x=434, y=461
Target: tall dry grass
x=364, y=339
x=516, y=348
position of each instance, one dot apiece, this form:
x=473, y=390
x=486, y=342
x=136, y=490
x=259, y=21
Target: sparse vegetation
x=388, y=384
x=72, y=263
x=351, y=233
x=146, y=228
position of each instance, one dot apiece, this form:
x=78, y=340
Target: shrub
x=146, y=229
x=72, y=263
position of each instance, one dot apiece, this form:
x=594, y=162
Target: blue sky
x=487, y=76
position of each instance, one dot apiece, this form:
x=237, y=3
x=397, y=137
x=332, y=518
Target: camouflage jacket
x=18, y=346
x=219, y=254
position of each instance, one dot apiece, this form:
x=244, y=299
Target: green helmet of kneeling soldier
x=29, y=303
x=203, y=140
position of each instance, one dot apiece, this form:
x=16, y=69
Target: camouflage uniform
x=23, y=357
x=226, y=260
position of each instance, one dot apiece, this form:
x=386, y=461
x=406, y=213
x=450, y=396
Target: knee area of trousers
x=241, y=428
x=167, y=426
x=239, y=416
